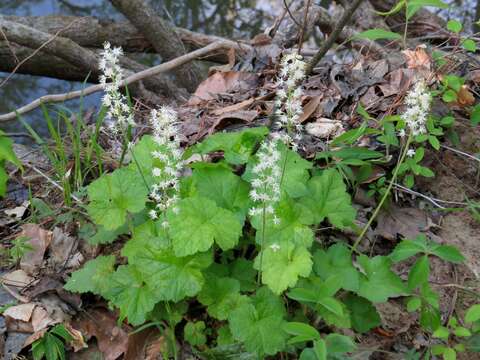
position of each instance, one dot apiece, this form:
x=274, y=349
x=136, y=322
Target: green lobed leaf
x=337, y=260
x=217, y=182
x=194, y=333
x=293, y=227
x=128, y=291
x=282, y=267
x=469, y=45
x=259, y=324
x=301, y=330
x=114, y=195
x=379, y=283
x=339, y=344
x=408, y=248
x=328, y=198
x=198, y=223
x=363, y=314
x=242, y=270
x=447, y=253
x=221, y=295
x=419, y=272
x=237, y=146
x=91, y=277
x=173, y=278
x=294, y=169
x=473, y=314
x=475, y=115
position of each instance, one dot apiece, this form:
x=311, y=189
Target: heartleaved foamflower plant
x=418, y=102
x=118, y=113
x=168, y=160
x=288, y=101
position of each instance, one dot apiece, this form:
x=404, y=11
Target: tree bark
x=91, y=32
x=162, y=37
x=70, y=52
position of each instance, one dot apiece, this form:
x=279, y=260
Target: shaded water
x=230, y=18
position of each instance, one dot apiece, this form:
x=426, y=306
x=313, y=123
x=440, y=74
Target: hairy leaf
x=259, y=324
x=217, y=182
x=91, y=277
x=380, y=282
x=114, y=195
x=327, y=198
x=282, y=267
x=198, y=223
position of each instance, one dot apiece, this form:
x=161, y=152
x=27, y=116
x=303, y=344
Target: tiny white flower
x=401, y=133
x=168, y=162
x=411, y=152
x=153, y=214
x=418, y=101
x=289, y=94
x=275, y=247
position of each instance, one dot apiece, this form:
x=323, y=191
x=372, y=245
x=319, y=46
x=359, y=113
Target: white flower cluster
x=418, y=103
x=266, y=184
x=118, y=112
x=167, y=159
x=289, y=95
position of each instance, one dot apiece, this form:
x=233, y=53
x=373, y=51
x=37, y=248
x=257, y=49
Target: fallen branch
x=170, y=65
x=161, y=35
x=91, y=32
x=333, y=36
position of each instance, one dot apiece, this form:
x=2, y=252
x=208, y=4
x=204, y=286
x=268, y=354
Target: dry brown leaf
x=406, y=222
x=325, y=128
x=418, y=58
x=62, y=247
x=17, y=278
x=78, y=343
x=310, y=108
x=235, y=107
x=465, y=97
x=139, y=343
x=21, y=312
x=41, y=319
x=223, y=82
x=102, y=324
x=39, y=239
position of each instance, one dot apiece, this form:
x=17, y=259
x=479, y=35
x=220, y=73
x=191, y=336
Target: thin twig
x=35, y=52
x=9, y=45
x=433, y=200
x=54, y=183
x=333, y=36
x=461, y=153
x=287, y=8
x=172, y=64
x=304, y=27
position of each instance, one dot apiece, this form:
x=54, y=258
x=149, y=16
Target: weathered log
x=70, y=52
x=91, y=32
x=162, y=37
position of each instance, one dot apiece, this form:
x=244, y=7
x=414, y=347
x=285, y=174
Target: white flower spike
x=118, y=111
x=168, y=159
x=266, y=184
x=418, y=103
x=289, y=97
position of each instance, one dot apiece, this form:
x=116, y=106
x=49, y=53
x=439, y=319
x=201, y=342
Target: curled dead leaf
x=223, y=82
x=39, y=240
x=325, y=128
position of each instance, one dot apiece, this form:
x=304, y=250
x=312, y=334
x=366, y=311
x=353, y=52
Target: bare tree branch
x=168, y=66
x=162, y=37
x=333, y=36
